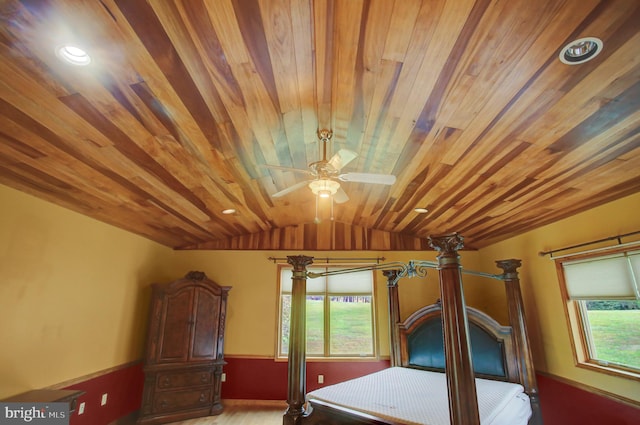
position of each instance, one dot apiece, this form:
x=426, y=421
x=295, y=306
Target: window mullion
x=327, y=313
x=634, y=278
x=327, y=329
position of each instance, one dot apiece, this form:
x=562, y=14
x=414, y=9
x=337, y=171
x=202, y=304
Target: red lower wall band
x=266, y=379
x=123, y=387
x=564, y=404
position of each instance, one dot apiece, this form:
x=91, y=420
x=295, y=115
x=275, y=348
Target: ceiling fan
x=325, y=175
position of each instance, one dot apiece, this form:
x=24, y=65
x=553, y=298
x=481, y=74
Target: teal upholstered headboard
x=421, y=344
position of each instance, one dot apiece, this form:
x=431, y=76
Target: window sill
x=613, y=371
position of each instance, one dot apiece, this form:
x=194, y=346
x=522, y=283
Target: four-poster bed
x=492, y=384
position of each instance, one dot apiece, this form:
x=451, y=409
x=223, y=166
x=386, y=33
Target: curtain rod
x=610, y=238
x=413, y=268
x=329, y=259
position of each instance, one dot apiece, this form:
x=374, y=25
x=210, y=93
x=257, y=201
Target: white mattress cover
x=420, y=397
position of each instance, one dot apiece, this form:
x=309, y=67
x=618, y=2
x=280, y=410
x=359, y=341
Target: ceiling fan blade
x=342, y=158
x=280, y=167
x=340, y=197
x=368, y=178
x=290, y=189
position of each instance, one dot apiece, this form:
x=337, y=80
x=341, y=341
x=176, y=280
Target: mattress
x=419, y=397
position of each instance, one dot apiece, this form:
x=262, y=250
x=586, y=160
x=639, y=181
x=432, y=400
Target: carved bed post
x=517, y=320
x=463, y=400
x=297, y=340
x=394, y=316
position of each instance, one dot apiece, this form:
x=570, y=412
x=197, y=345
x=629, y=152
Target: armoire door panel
x=176, y=331
x=207, y=314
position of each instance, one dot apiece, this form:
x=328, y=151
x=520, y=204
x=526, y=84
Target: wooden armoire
x=184, y=352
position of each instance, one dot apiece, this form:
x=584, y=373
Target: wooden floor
x=241, y=412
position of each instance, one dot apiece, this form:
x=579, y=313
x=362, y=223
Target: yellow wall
x=547, y=325
x=71, y=297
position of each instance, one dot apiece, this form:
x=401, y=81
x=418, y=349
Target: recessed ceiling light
x=421, y=210
x=581, y=50
x=229, y=211
x=73, y=55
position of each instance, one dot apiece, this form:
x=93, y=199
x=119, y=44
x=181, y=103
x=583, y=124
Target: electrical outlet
x=320, y=379
x=81, y=408
x=104, y=399
x=223, y=377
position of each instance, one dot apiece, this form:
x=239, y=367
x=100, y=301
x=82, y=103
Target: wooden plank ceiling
x=464, y=101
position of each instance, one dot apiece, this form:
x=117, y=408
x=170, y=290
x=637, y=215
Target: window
x=340, y=313
x=603, y=308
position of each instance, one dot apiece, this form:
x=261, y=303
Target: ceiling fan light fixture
x=324, y=188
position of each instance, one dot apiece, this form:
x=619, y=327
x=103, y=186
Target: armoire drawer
x=174, y=380
x=177, y=400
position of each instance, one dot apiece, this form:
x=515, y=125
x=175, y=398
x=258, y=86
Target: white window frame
x=310, y=284
x=576, y=314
